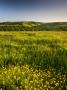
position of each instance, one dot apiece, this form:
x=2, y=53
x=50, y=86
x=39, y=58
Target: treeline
x=52, y=28
x=15, y=28
x=33, y=26
x=22, y=28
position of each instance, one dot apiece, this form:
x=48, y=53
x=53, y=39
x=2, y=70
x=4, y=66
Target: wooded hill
x=33, y=26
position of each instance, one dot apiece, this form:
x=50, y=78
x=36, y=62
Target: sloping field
x=31, y=60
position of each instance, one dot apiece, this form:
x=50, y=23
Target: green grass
x=41, y=50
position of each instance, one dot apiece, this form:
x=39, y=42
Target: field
x=33, y=60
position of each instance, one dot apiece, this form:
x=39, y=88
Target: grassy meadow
x=33, y=60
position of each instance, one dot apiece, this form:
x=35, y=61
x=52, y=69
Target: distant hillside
x=62, y=26
x=26, y=23
x=33, y=26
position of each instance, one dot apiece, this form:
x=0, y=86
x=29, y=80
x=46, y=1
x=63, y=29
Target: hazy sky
x=33, y=10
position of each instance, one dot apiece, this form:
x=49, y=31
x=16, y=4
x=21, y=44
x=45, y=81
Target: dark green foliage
x=33, y=26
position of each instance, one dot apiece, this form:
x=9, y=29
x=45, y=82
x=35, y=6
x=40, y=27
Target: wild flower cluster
x=27, y=78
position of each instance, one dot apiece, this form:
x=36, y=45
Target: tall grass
x=42, y=49
x=42, y=52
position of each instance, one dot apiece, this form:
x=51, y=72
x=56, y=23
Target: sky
x=33, y=10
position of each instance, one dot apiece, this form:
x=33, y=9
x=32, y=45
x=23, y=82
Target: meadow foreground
x=33, y=60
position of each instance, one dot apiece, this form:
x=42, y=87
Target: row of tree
x=33, y=26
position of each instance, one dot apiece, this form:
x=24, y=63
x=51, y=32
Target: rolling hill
x=33, y=26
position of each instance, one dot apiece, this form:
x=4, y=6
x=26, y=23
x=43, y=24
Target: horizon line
x=33, y=21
